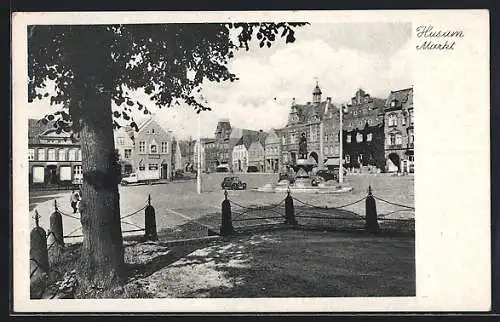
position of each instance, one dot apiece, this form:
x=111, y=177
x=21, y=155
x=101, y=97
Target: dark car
x=252, y=168
x=327, y=174
x=233, y=183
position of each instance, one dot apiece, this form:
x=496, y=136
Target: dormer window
x=393, y=103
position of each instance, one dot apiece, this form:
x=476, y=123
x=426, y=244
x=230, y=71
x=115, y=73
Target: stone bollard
x=226, y=227
x=39, y=260
x=371, y=223
x=289, y=209
x=150, y=222
x=55, y=239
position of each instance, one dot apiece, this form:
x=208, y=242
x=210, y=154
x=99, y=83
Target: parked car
x=328, y=174
x=252, y=168
x=233, y=183
x=142, y=176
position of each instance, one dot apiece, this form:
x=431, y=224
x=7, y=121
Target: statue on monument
x=303, y=146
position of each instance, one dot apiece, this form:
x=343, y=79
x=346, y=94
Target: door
x=51, y=174
x=164, y=171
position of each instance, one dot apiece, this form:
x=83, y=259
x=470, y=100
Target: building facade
x=152, y=154
x=240, y=152
x=54, y=159
x=310, y=119
x=124, y=145
x=272, y=151
x=399, y=135
x=363, y=136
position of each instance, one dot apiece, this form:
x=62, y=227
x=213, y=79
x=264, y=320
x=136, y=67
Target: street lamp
x=341, y=157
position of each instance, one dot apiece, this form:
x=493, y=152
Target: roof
x=36, y=128
x=248, y=138
x=403, y=96
x=306, y=111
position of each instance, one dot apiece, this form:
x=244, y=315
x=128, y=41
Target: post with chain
x=289, y=209
x=371, y=223
x=55, y=238
x=39, y=259
x=150, y=222
x=226, y=227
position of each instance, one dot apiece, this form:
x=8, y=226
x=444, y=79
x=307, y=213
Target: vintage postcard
x=287, y=161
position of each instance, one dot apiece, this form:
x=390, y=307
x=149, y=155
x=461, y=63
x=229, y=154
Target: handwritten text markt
x=437, y=39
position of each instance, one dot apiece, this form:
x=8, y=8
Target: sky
x=340, y=57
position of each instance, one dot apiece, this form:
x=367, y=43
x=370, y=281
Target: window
x=347, y=158
x=62, y=155
x=153, y=148
x=51, y=155
x=31, y=154
x=38, y=174
x=411, y=158
x=142, y=168
x=348, y=138
x=337, y=137
x=337, y=151
x=120, y=141
x=369, y=137
x=142, y=146
x=403, y=120
x=128, y=153
x=283, y=140
x=41, y=155
x=359, y=137
x=399, y=139
x=313, y=133
x=153, y=131
x=392, y=139
x=65, y=173
x=79, y=155
x=393, y=103
x=153, y=166
x=72, y=155
x=393, y=121
x=370, y=121
x=411, y=138
x=411, y=117
x=325, y=150
x=77, y=171
x=350, y=124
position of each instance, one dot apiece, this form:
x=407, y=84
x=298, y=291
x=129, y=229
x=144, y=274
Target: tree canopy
x=169, y=62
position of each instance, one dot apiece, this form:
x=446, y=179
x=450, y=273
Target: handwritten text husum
x=437, y=39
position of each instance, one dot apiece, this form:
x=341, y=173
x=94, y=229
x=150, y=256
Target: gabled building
x=272, y=151
x=240, y=152
x=363, y=125
x=256, y=156
x=54, y=159
x=399, y=136
x=309, y=119
x=124, y=145
x=153, y=150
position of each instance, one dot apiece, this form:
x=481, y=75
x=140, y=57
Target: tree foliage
x=169, y=62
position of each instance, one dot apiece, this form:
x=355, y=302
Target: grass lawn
x=282, y=263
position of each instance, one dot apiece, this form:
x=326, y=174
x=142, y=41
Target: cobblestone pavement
x=178, y=202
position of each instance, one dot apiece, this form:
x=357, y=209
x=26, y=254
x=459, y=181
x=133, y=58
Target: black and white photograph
x=240, y=159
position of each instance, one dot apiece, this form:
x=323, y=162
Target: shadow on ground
x=282, y=264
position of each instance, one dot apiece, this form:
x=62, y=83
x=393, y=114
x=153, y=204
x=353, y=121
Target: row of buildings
x=54, y=159
x=377, y=134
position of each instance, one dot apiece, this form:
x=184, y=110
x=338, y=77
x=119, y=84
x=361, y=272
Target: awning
x=332, y=161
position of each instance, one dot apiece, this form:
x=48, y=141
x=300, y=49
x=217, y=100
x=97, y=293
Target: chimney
x=293, y=101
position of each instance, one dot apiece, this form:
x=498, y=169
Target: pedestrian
x=75, y=198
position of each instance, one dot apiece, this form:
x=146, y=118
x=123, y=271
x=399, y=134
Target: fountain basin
x=302, y=188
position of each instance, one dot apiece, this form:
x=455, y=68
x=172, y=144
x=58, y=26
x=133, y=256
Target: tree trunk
x=102, y=252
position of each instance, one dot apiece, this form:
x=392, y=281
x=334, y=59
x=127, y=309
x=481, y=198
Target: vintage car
x=233, y=183
x=327, y=174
